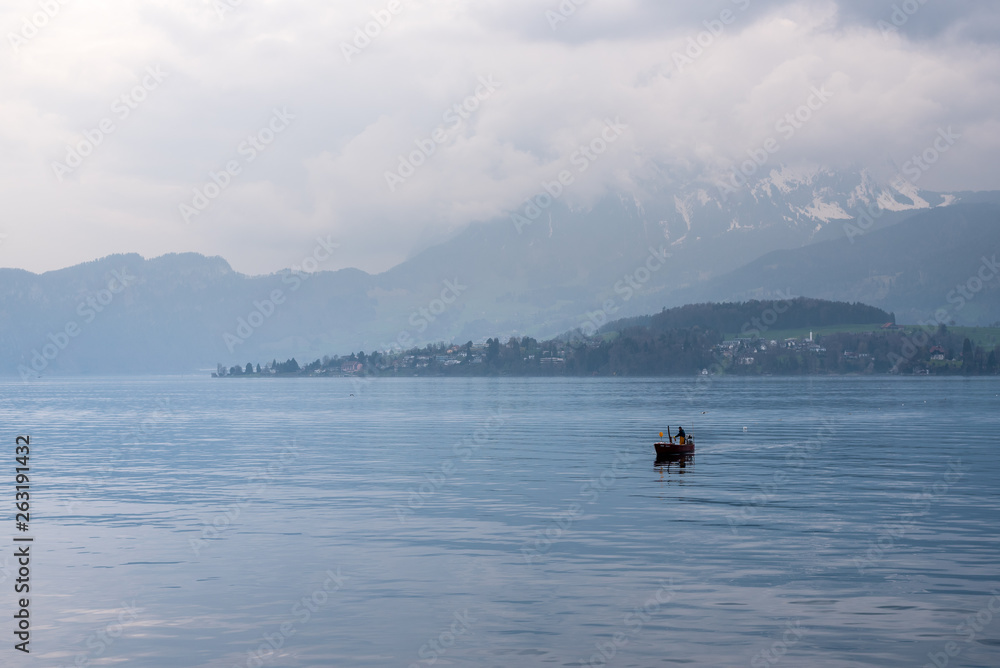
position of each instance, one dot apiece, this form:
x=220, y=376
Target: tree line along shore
x=789, y=337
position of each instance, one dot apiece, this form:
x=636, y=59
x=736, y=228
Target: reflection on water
x=833, y=522
x=674, y=463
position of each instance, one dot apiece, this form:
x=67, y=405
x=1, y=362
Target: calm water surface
x=508, y=522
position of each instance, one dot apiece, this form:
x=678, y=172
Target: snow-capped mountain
x=785, y=207
x=543, y=276
x=630, y=253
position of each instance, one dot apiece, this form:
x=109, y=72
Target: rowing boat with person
x=684, y=445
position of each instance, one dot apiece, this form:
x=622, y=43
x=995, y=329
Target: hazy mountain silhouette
x=914, y=268
x=635, y=254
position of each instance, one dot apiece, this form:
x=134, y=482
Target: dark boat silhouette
x=683, y=446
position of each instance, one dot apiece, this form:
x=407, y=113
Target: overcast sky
x=226, y=70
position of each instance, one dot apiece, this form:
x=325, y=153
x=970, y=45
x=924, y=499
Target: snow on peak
x=825, y=211
x=887, y=199
x=786, y=179
x=684, y=209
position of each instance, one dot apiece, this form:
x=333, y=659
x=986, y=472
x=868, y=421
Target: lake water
x=507, y=522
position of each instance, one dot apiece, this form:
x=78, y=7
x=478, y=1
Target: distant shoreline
x=863, y=350
x=637, y=376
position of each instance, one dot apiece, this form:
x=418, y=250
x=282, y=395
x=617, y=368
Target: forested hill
x=752, y=338
x=747, y=319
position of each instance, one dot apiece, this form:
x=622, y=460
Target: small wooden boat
x=683, y=446
x=673, y=449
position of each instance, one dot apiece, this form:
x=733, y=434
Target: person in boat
x=681, y=436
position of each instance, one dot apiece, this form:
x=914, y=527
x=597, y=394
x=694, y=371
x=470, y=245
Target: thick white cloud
x=890, y=93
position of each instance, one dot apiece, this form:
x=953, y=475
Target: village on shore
x=676, y=343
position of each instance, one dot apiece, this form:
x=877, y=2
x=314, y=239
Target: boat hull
x=673, y=449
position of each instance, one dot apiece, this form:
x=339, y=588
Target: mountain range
x=806, y=232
